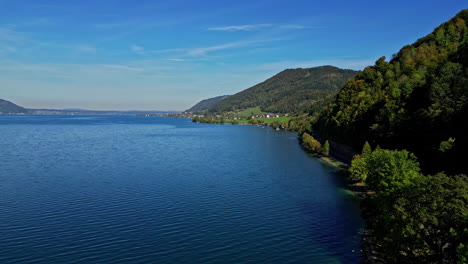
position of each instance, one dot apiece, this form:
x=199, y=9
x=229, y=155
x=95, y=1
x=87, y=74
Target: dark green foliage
x=301, y=124
x=415, y=218
x=366, y=149
x=415, y=101
x=7, y=107
x=387, y=170
x=326, y=148
x=447, y=145
x=204, y=104
x=253, y=121
x=425, y=221
x=358, y=170
x=292, y=90
x=209, y=120
x=275, y=124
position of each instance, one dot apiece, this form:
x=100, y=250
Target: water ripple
x=133, y=190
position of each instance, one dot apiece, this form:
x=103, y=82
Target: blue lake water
x=125, y=189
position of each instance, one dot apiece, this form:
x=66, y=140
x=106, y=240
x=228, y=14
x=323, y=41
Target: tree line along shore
x=401, y=126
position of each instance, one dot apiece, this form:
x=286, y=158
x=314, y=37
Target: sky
x=168, y=55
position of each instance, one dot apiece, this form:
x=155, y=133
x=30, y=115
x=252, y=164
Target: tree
x=390, y=169
x=253, y=121
x=366, y=149
x=414, y=101
x=358, y=169
x=425, y=222
x=326, y=148
x=275, y=124
x=310, y=143
x=447, y=145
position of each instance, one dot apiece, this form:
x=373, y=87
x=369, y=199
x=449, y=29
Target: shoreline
x=369, y=254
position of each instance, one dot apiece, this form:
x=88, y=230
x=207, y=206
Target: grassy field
x=264, y=120
x=250, y=112
x=244, y=117
x=271, y=120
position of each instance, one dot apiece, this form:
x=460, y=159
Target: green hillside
x=417, y=208
x=204, y=104
x=417, y=101
x=7, y=107
x=289, y=91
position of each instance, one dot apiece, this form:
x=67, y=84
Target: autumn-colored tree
x=310, y=143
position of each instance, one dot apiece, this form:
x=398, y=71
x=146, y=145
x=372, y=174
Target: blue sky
x=168, y=55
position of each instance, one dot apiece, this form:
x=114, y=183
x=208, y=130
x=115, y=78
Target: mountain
x=79, y=111
x=205, y=104
x=417, y=101
x=289, y=91
x=7, y=107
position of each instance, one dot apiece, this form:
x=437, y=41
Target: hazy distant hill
x=205, y=104
x=78, y=111
x=7, y=107
x=289, y=91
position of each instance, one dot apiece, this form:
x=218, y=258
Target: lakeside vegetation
x=417, y=207
x=413, y=111
x=295, y=122
x=415, y=218
x=416, y=101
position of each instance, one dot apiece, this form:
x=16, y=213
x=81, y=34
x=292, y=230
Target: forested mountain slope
x=289, y=91
x=205, y=104
x=417, y=101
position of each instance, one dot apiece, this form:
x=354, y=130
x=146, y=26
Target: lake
x=127, y=189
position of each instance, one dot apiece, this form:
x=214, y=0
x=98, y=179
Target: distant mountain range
x=95, y=112
x=9, y=108
x=289, y=91
x=205, y=104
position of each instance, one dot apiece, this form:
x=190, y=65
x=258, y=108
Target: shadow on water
x=341, y=217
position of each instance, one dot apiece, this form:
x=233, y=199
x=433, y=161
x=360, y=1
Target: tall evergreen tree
x=366, y=149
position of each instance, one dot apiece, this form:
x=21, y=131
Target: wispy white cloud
x=7, y=49
x=178, y=60
x=187, y=54
x=11, y=36
x=203, y=51
x=198, y=52
x=16, y=66
x=120, y=24
x=86, y=48
x=183, y=60
x=12, y=41
x=121, y=67
x=32, y=22
x=296, y=26
x=242, y=27
x=256, y=27
x=137, y=49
